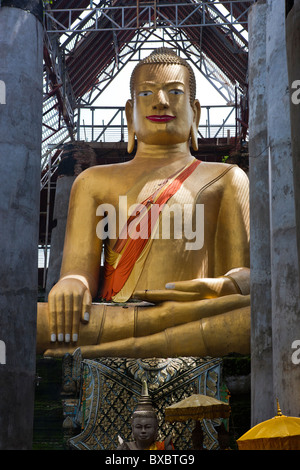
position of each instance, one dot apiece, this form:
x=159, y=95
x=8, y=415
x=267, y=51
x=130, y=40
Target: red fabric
x=114, y=279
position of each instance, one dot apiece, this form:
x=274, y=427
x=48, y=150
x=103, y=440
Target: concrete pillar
x=293, y=55
x=274, y=256
x=284, y=265
x=21, y=65
x=261, y=300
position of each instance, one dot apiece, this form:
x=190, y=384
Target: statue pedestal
x=109, y=389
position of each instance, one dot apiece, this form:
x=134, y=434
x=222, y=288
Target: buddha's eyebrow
x=151, y=83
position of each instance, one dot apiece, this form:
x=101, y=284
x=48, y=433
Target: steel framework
x=151, y=15
x=86, y=47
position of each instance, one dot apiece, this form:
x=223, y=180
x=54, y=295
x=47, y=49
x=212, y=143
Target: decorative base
x=110, y=388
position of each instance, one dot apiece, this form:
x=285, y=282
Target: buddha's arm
x=70, y=299
x=232, y=234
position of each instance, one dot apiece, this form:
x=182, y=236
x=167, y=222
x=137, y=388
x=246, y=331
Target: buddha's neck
x=160, y=154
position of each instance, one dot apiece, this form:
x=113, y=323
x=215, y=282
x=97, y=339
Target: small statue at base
x=144, y=424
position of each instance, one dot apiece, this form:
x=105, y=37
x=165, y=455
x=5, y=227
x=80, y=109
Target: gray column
x=293, y=55
x=285, y=275
x=261, y=311
x=274, y=257
x=21, y=65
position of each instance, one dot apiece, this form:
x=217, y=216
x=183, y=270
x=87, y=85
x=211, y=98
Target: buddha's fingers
x=163, y=295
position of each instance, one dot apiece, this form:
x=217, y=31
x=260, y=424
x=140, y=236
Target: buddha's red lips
x=160, y=118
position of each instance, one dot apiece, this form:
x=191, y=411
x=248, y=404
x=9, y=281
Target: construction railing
x=108, y=123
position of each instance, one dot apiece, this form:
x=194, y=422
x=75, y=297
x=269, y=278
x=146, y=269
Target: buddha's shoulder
x=217, y=170
x=101, y=173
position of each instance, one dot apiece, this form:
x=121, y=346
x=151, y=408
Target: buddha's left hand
x=195, y=289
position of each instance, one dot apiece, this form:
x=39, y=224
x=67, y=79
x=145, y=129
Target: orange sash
x=160, y=445
x=129, y=249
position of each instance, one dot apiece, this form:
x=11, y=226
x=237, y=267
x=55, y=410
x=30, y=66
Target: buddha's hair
x=166, y=56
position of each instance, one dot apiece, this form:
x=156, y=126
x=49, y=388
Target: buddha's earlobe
x=194, y=137
x=131, y=134
x=195, y=125
x=131, y=141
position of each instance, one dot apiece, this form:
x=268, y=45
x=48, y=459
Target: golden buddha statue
x=165, y=292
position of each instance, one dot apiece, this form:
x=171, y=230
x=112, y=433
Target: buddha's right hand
x=69, y=303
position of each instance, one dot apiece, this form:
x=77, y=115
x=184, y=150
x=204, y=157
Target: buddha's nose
x=161, y=100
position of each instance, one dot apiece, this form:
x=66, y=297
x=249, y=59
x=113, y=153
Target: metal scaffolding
x=147, y=15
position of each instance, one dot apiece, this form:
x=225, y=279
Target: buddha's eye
x=145, y=93
x=176, y=91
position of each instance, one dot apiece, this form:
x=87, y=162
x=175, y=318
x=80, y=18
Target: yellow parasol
x=278, y=433
x=197, y=407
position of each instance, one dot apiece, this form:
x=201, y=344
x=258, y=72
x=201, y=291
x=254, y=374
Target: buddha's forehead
x=161, y=73
x=144, y=420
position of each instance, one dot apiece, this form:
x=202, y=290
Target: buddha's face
x=144, y=430
x=161, y=112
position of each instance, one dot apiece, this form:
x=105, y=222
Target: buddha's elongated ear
x=129, y=118
x=194, y=128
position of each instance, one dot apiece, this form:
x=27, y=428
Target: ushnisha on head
x=163, y=111
x=165, y=56
x=144, y=407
